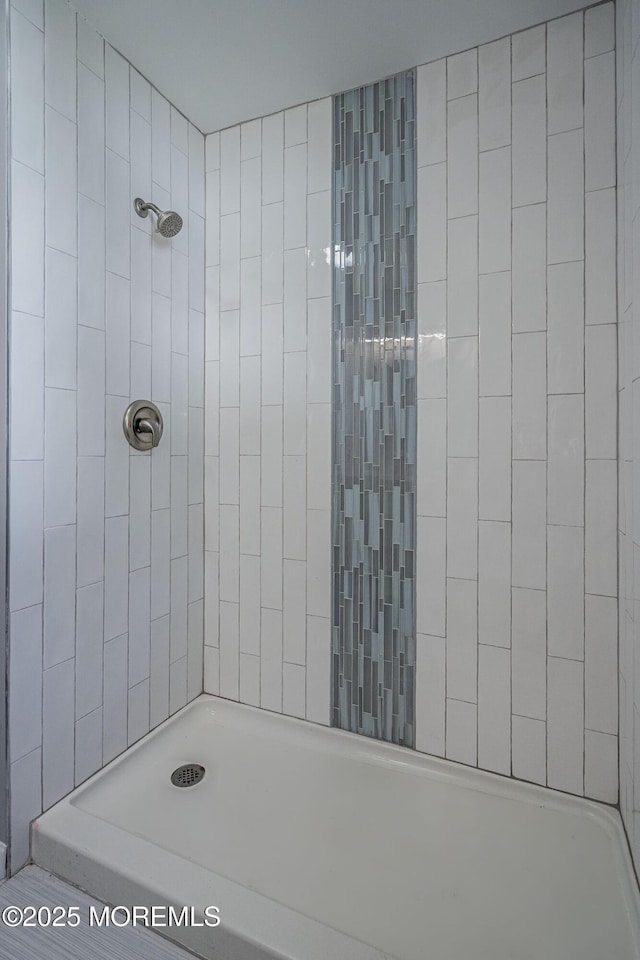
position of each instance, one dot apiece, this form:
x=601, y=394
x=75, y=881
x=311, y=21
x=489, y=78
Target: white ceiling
x=224, y=61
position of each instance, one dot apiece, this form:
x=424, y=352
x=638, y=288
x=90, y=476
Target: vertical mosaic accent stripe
x=374, y=410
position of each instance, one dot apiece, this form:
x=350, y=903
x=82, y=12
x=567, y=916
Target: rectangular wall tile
x=59, y=457
x=61, y=316
x=138, y=711
x=600, y=391
x=178, y=619
x=114, y=705
x=250, y=679
x=529, y=396
x=116, y=577
x=62, y=181
x=600, y=256
x=529, y=653
x=250, y=605
x=431, y=82
x=462, y=74
x=565, y=208
x=495, y=210
x=529, y=749
x=89, y=643
x=565, y=478
x=565, y=592
x=293, y=690
x=27, y=240
x=26, y=779
x=27, y=93
x=318, y=670
x=462, y=162
x=229, y=553
x=528, y=563
x=295, y=508
x=529, y=139
x=528, y=268
x=565, y=730
x=25, y=683
x=59, y=612
x=566, y=318
x=600, y=766
x=431, y=576
x=431, y=694
x=599, y=121
x=139, y=619
x=494, y=88
x=565, y=72
x=462, y=406
x=271, y=660
x=494, y=583
x=58, y=746
x=599, y=30
x=91, y=135
x=462, y=732
x=462, y=631
x=432, y=458
x=229, y=650
x=600, y=678
x=319, y=145
x=494, y=709
x=432, y=221
x=116, y=71
x=91, y=392
x=272, y=158
x=462, y=272
x=495, y=334
x=600, y=528
x=528, y=53
x=494, y=465
x=432, y=328
x=462, y=518
x=91, y=263
x=60, y=59
x=90, y=522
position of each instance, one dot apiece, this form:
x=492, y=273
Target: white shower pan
x=317, y=844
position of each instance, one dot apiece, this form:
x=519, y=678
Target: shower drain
x=187, y=775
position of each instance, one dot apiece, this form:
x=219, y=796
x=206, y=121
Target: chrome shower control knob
x=142, y=425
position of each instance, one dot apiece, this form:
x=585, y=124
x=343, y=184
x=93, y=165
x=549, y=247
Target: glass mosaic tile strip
x=374, y=410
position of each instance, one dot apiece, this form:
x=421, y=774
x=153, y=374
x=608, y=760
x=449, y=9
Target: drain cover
x=187, y=775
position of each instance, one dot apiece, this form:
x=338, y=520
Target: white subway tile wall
x=267, y=406
x=600, y=678
x=118, y=565
x=516, y=568
x=106, y=574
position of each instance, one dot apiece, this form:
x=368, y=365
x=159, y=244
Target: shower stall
x=321, y=481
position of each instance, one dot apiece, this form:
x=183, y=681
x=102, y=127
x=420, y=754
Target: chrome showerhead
x=169, y=222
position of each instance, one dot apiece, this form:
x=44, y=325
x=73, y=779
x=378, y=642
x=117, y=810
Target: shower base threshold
x=317, y=844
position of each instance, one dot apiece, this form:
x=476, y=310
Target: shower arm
x=143, y=207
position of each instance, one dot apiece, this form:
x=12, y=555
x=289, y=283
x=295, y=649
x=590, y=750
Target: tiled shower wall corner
x=105, y=565
x=516, y=657
x=516, y=554
x=628, y=87
x=268, y=412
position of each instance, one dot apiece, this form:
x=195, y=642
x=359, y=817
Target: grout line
x=585, y=409
x=445, y=751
